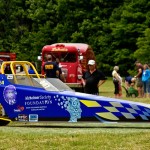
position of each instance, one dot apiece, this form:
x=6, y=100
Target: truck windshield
x=64, y=56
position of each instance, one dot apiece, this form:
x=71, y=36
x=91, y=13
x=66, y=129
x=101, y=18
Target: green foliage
x=143, y=43
x=118, y=31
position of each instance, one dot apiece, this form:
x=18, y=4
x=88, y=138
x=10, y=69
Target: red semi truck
x=73, y=60
x=7, y=56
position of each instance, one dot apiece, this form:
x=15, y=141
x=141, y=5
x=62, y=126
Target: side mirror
x=39, y=58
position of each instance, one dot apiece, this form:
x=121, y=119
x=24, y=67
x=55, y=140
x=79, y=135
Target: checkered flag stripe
x=119, y=111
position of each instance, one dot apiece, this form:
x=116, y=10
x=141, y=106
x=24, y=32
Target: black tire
x=4, y=122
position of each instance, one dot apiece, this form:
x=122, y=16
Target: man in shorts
x=139, y=83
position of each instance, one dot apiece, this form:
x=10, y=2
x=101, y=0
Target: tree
x=117, y=29
x=143, y=43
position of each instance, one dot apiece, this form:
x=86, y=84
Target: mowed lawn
x=77, y=136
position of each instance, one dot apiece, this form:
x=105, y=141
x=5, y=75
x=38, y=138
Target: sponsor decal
x=40, y=97
x=33, y=117
x=10, y=94
x=22, y=117
x=37, y=103
x=1, y=82
x=21, y=108
x=10, y=77
x=17, y=110
x=41, y=102
x=71, y=104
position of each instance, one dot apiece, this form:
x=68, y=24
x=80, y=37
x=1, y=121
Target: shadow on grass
x=124, y=126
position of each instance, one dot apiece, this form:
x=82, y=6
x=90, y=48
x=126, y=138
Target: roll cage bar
x=24, y=65
x=34, y=79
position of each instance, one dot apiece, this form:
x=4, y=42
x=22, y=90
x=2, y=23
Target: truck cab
x=73, y=58
x=7, y=56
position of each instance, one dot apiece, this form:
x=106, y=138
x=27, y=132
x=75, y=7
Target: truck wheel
x=3, y=117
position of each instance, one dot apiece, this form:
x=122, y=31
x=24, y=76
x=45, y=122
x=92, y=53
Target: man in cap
x=51, y=68
x=93, y=79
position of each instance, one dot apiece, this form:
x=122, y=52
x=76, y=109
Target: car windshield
x=49, y=84
x=63, y=56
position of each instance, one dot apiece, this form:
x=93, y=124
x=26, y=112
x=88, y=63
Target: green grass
x=84, y=136
x=77, y=136
x=107, y=89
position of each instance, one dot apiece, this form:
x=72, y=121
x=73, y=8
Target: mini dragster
x=29, y=97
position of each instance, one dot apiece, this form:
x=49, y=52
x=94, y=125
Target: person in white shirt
x=117, y=80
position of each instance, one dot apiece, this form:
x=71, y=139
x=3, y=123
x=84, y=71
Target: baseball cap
x=91, y=62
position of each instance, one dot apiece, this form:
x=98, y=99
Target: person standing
x=145, y=79
x=117, y=81
x=51, y=68
x=7, y=69
x=139, y=82
x=93, y=79
x=149, y=78
x=31, y=71
x=61, y=74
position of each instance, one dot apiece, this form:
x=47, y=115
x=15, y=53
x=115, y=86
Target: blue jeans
x=146, y=87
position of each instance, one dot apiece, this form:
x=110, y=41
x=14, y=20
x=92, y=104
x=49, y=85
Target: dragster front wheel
x=4, y=121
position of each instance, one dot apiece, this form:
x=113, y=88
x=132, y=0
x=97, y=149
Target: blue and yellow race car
x=29, y=97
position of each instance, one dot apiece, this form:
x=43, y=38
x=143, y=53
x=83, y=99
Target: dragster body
x=26, y=97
